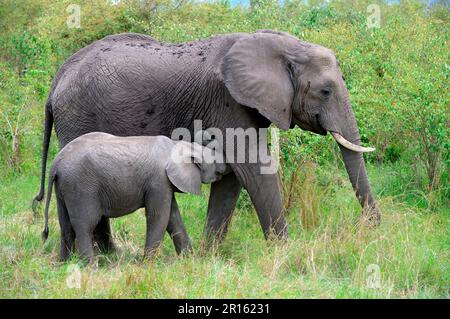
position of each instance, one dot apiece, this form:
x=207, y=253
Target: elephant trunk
x=351, y=149
x=356, y=169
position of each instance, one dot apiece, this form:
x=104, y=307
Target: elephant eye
x=325, y=93
x=290, y=68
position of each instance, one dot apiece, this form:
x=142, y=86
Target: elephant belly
x=121, y=199
x=120, y=211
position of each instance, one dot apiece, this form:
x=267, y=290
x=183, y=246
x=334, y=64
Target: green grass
x=327, y=254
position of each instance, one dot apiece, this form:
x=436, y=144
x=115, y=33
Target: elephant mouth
x=343, y=141
x=320, y=129
x=315, y=127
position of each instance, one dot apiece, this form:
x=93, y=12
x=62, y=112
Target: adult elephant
x=132, y=84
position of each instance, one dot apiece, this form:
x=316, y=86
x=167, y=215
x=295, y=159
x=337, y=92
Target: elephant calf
x=101, y=175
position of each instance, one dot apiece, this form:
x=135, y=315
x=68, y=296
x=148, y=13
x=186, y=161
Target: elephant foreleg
x=265, y=193
x=222, y=201
x=177, y=231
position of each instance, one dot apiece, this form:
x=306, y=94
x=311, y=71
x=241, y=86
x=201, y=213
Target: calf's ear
x=184, y=174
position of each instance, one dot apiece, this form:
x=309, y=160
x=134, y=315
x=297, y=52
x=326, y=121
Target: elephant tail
x=47, y=134
x=51, y=180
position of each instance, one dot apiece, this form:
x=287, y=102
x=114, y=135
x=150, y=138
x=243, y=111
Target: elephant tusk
x=353, y=147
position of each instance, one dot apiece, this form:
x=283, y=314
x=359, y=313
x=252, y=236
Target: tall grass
x=329, y=253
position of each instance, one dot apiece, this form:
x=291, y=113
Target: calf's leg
x=177, y=231
x=157, y=212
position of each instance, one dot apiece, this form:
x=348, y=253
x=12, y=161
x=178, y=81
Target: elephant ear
x=182, y=172
x=256, y=74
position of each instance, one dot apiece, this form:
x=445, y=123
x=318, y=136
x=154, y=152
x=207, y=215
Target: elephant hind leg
x=103, y=236
x=84, y=213
x=67, y=233
x=84, y=244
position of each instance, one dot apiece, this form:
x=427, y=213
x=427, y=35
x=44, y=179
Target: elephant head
x=190, y=165
x=291, y=82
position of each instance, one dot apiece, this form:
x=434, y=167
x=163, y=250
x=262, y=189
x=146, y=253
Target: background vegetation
x=398, y=78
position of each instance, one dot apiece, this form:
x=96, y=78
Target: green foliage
x=317, y=18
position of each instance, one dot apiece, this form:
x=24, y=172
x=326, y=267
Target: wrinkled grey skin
x=101, y=175
x=232, y=80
